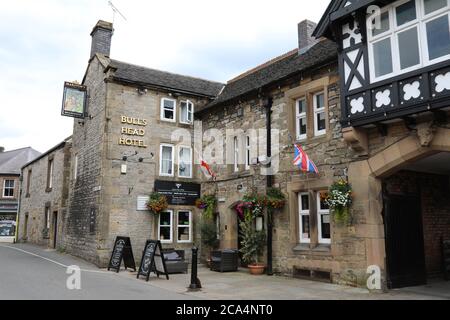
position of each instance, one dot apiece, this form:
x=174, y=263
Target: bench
x=175, y=261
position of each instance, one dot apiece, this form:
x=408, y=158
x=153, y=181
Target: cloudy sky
x=44, y=43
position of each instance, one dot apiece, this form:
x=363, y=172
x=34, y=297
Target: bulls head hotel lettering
x=137, y=131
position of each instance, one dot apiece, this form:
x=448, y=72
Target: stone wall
x=34, y=204
x=85, y=195
x=120, y=191
x=346, y=258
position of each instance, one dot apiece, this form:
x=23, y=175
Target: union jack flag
x=303, y=162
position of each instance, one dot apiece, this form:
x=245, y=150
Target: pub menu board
x=152, y=260
x=122, y=251
x=178, y=193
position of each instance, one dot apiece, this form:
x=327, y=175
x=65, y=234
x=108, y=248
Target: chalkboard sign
x=122, y=251
x=152, y=260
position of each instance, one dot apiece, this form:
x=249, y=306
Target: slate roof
x=130, y=73
x=58, y=146
x=276, y=70
x=12, y=161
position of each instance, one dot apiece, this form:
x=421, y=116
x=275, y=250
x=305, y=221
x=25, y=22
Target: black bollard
x=195, y=282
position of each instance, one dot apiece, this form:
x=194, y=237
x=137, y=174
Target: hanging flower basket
x=157, y=203
x=208, y=204
x=275, y=199
x=339, y=200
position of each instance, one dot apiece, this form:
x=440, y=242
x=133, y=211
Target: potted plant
x=157, y=203
x=252, y=247
x=339, y=200
x=208, y=232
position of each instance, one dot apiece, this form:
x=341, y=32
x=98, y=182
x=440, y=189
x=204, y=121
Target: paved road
x=28, y=272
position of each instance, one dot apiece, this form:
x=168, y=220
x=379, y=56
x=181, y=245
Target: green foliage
x=252, y=242
x=208, y=204
x=208, y=231
x=339, y=200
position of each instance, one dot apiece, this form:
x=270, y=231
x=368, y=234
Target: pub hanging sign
x=74, y=100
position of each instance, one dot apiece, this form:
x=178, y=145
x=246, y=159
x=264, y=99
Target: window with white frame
x=236, y=154
x=304, y=218
x=8, y=188
x=186, y=112
x=301, y=119
x=185, y=162
x=166, y=160
x=323, y=218
x=165, y=226
x=248, y=152
x=184, y=226
x=168, y=109
x=320, y=127
x=412, y=34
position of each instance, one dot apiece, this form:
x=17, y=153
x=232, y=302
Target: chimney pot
x=101, y=38
x=305, y=38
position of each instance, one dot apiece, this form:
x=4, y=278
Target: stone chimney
x=101, y=38
x=2, y=149
x=305, y=39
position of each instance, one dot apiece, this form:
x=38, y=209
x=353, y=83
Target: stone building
x=395, y=88
x=381, y=127
x=298, y=96
x=10, y=164
x=137, y=138
x=44, y=194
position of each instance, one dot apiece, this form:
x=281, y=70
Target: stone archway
x=366, y=178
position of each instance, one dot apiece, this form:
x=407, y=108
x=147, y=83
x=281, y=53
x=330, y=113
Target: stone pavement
x=32, y=272
x=243, y=286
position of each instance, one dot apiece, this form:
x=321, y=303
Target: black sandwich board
x=122, y=251
x=153, y=260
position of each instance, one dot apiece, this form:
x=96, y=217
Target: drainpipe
x=268, y=104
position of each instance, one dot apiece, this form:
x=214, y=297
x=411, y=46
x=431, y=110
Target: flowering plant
x=208, y=204
x=157, y=203
x=244, y=209
x=340, y=199
x=275, y=199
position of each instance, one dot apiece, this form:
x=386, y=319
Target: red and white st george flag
x=206, y=168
